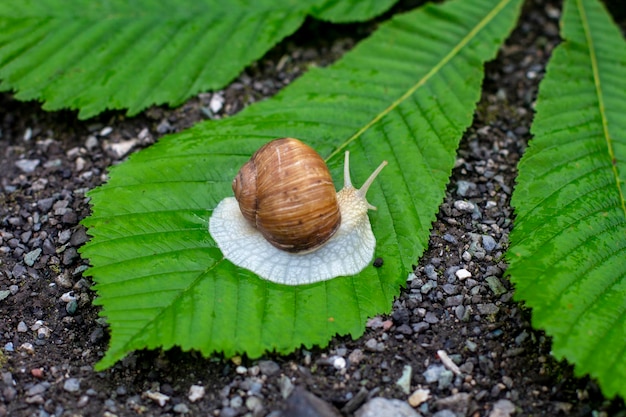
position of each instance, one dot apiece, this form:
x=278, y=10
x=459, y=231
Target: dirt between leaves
x=51, y=335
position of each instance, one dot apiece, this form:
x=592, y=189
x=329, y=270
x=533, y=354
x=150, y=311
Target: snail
x=287, y=224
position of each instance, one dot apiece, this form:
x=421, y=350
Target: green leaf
x=568, y=248
x=406, y=94
x=114, y=54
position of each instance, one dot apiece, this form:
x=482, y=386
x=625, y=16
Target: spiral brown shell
x=285, y=190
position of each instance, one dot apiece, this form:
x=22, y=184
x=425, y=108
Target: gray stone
x=465, y=206
x=27, y=165
x=431, y=318
x=463, y=188
x=404, y=382
x=71, y=385
x=489, y=243
x=254, y=404
x=420, y=327
x=487, y=309
x=502, y=408
x=302, y=403
x=454, y=300
x=495, y=285
x=433, y=372
x=458, y=403
x=383, y=407
x=37, y=389
x=31, y=257
x=428, y=286
x=450, y=239
x=445, y=379
x=430, y=272
x=269, y=367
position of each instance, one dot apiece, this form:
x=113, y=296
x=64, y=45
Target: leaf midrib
x=434, y=70
x=601, y=106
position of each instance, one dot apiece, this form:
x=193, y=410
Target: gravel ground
x=456, y=344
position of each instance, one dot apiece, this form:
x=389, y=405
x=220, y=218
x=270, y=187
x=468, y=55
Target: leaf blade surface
x=108, y=54
x=569, y=242
x=389, y=98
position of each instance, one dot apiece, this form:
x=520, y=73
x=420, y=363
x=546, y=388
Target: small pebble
x=489, y=243
x=31, y=257
x=384, y=407
x=22, y=327
x=196, y=392
x=157, y=397
x=462, y=205
x=463, y=274
x=269, y=368
x=236, y=401
x=404, y=382
x=286, y=386
x=181, y=408
x=356, y=356
x=119, y=150
x=216, y=103
x=502, y=408
x=431, y=318
x=71, y=385
x=27, y=347
x=495, y=285
x=433, y=372
x=71, y=307
x=27, y=165
x=254, y=404
x=418, y=397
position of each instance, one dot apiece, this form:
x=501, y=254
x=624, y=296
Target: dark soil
x=50, y=340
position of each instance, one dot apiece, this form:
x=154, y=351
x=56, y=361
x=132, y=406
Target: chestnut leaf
x=568, y=247
x=94, y=55
x=406, y=94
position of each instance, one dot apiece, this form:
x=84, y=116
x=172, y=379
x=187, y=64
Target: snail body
x=287, y=224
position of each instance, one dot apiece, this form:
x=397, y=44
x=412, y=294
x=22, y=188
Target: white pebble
x=462, y=205
x=463, y=274
x=26, y=347
x=68, y=296
x=21, y=327
x=338, y=362
x=122, y=148
x=241, y=370
x=217, y=102
x=196, y=392
x=106, y=131
x=447, y=362
x=157, y=397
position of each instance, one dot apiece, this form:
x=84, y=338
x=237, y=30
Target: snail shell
x=331, y=238
x=285, y=190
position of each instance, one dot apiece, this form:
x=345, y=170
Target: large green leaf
x=568, y=249
x=94, y=55
x=406, y=94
